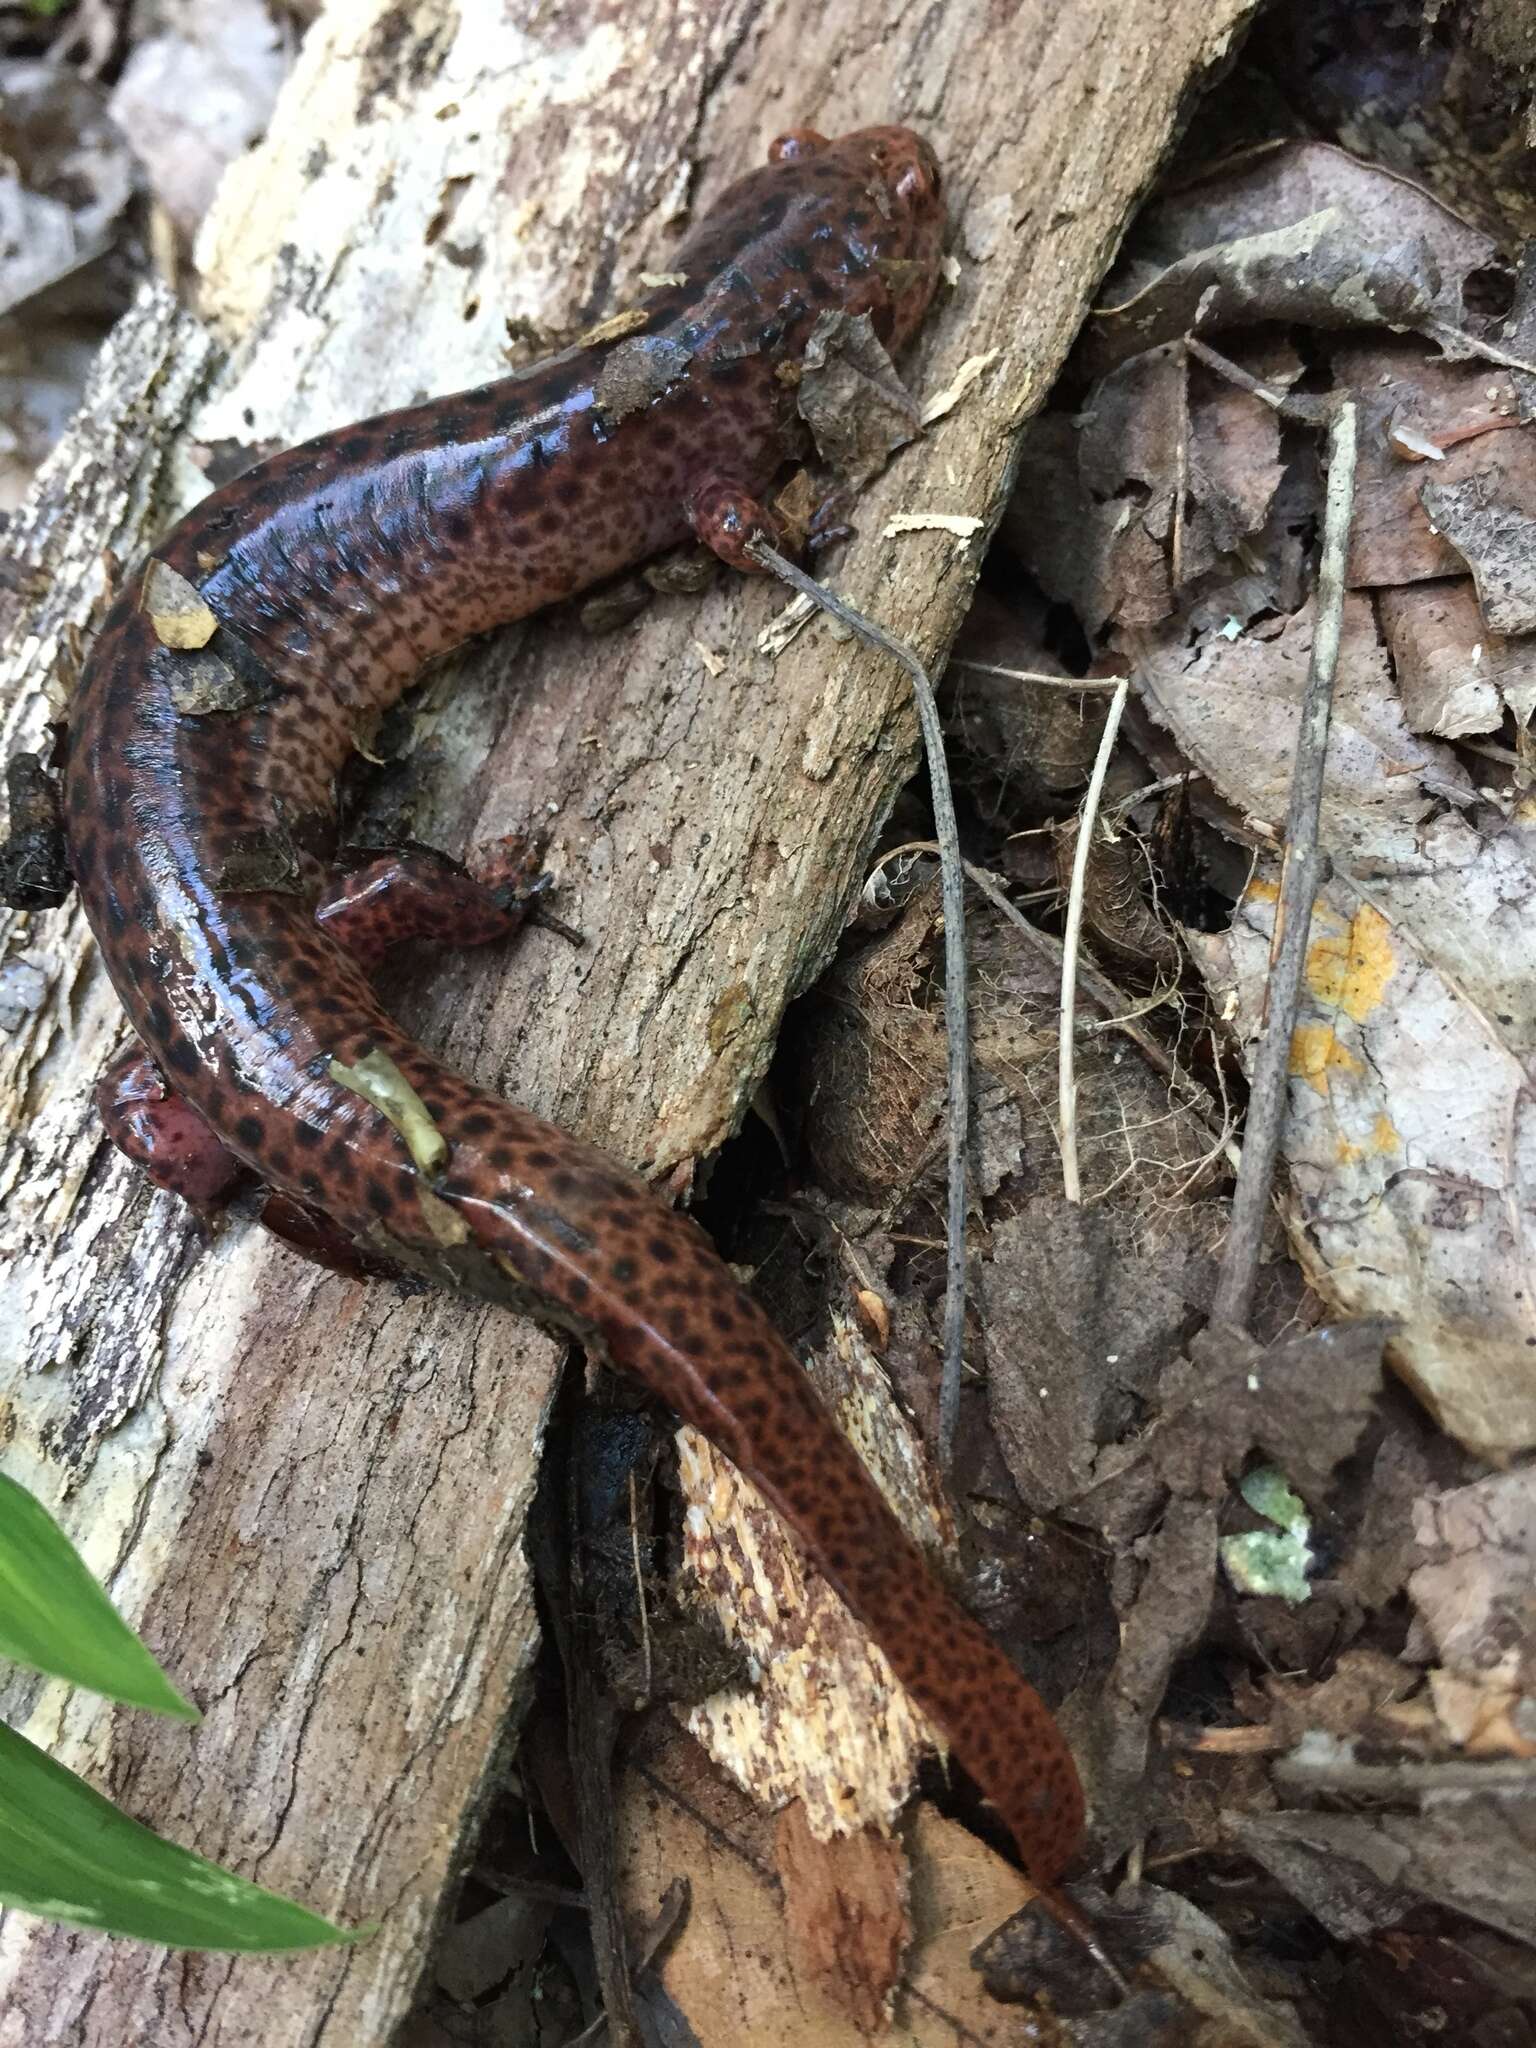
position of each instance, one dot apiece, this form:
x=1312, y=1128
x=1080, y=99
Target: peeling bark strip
x=308, y=1493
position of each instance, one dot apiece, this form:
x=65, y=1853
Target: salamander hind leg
x=419, y=894
x=311, y=1233
x=149, y=1122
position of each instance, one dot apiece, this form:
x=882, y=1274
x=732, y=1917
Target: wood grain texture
x=307, y=1493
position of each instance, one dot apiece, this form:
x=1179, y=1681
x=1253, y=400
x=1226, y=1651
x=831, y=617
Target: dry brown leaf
x=1234, y=460
x=1484, y=1720
x=736, y=1969
x=1195, y=1957
x=1409, y=1142
x=1472, y=1851
x=1120, y=914
x=1098, y=558
x=1164, y=478
x=1476, y=1590
x=1299, y=232
x=1359, y=1701
x=1080, y=1320
x=1392, y=538
x=1232, y=706
x=850, y=396
x=64, y=184
x=1495, y=533
x=1454, y=675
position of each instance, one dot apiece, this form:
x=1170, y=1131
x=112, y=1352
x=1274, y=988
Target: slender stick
x=1034, y=675
x=956, y=1003
x=1066, y=1079
x=1300, y=876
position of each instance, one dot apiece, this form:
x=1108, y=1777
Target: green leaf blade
x=55, y=1618
x=69, y=1854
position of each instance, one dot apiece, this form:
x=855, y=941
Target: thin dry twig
x=1033, y=675
x=1327, y=1765
x=1300, y=875
x=1305, y=411
x=956, y=1003
x=640, y=1599
x=1066, y=1049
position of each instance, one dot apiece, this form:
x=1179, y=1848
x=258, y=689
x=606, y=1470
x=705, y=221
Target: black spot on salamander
x=450, y=426
x=556, y=1227
x=182, y=1056
x=733, y=371
x=247, y=1132
x=541, y=453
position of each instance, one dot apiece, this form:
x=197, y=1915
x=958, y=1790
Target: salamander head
x=897, y=173
x=853, y=226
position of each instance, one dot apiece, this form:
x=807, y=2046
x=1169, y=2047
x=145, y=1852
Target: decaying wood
x=309, y=1494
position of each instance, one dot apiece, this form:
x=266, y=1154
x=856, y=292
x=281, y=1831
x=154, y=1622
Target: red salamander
x=220, y=703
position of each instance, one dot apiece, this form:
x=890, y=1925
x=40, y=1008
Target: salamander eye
x=919, y=181
x=795, y=145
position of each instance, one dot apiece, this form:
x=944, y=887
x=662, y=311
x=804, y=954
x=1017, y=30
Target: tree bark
x=308, y=1493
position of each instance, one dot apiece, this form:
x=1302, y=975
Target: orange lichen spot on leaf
x=1317, y=1055
x=1348, y=968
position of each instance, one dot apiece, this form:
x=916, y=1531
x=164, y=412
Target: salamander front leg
x=419, y=894
x=148, y=1121
x=725, y=517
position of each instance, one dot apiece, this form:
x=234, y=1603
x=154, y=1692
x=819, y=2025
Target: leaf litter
x=1319, y=1495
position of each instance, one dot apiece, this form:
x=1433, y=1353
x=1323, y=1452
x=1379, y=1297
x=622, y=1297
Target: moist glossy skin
x=201, y=814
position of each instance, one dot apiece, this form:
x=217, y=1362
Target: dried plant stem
x=639, y=1571
x=1066, y=1079
x=1034, y=675
x=1300, y=875
x=956, y=1003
